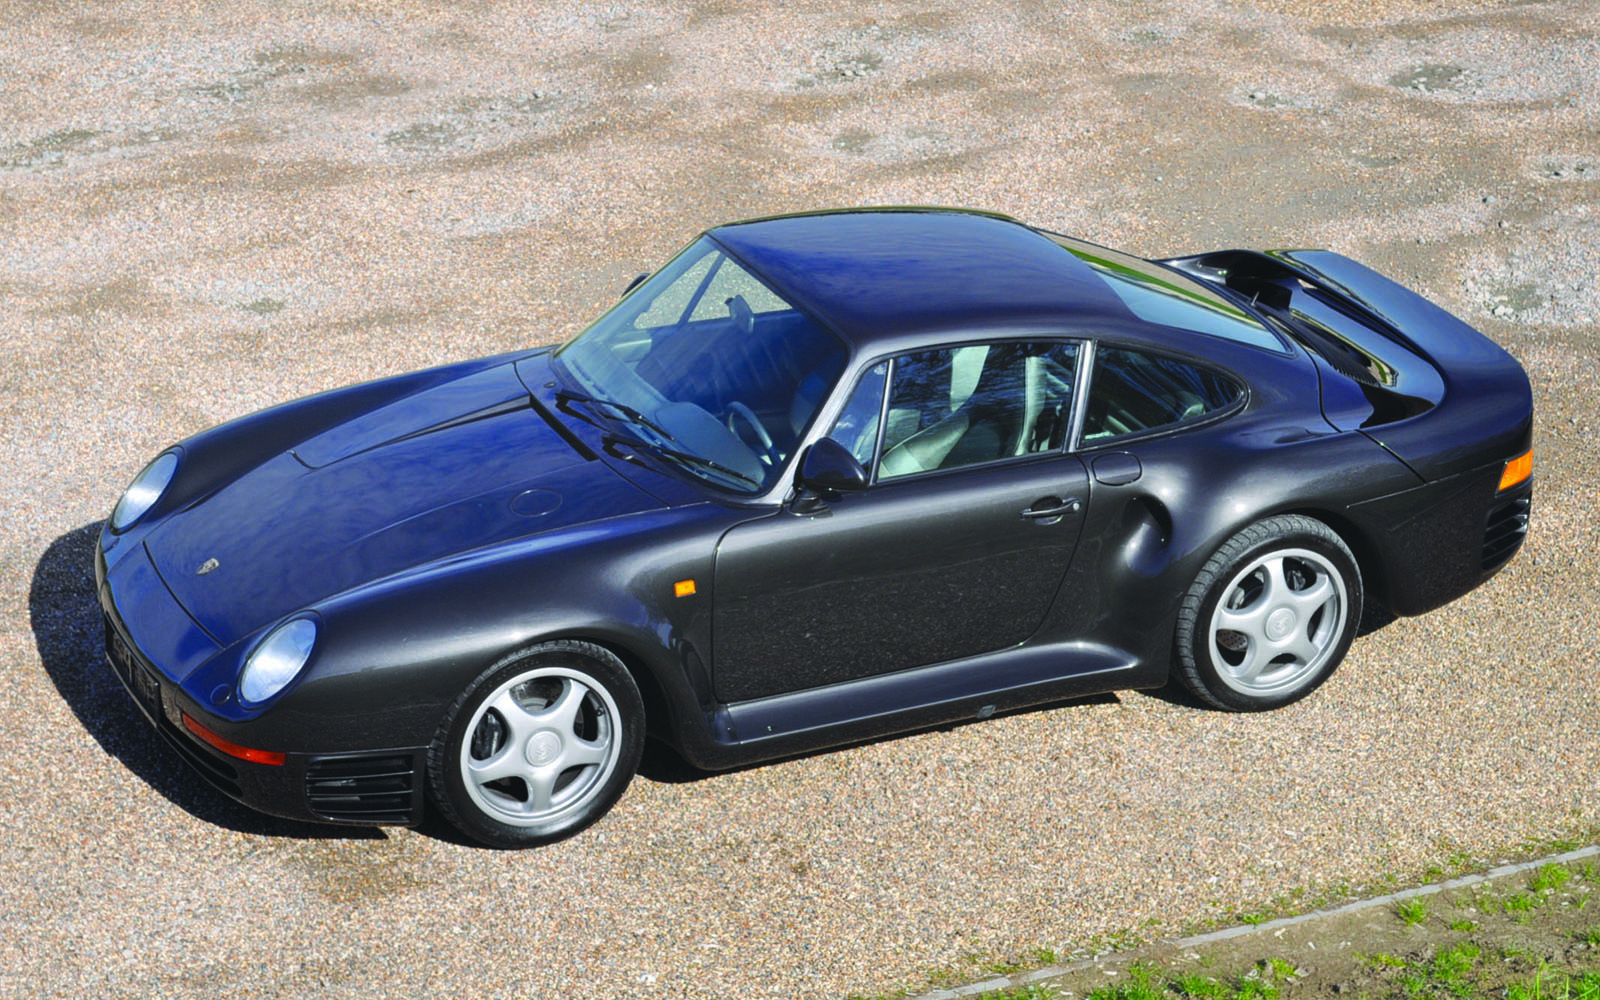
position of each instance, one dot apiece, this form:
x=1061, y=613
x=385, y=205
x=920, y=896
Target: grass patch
x=1411, y=911
x=1263, y=982
x=1465, y=943
x=1549, y=878
x=1556, y=987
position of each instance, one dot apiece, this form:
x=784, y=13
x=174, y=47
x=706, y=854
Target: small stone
x=1489, y=199
x=1502, y=310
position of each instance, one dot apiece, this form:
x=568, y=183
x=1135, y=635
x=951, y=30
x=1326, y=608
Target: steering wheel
x=736, y=408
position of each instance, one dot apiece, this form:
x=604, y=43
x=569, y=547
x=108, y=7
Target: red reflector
x=1517, y=470
x=230, y=748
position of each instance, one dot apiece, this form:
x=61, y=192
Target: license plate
x=141, y=685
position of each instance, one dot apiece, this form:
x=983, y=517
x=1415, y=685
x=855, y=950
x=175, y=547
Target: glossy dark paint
x=869, y=585
x=437, y=521
x=828, y=467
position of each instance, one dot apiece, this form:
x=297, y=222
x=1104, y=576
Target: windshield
x=705, y=367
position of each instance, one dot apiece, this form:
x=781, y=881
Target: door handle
x=1071, y=506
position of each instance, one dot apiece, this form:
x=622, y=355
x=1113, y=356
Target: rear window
x=1156, y=294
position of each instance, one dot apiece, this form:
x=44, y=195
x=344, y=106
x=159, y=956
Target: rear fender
x=1468, y=405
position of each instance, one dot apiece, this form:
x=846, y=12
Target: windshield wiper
x=611, y=440
x=568, y=396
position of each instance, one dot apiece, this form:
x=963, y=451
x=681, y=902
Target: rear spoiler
x=1485, y=390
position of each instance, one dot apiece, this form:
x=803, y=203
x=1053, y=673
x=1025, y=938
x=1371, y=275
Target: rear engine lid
x=1432, y=390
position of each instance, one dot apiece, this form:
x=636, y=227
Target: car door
x=956, y=548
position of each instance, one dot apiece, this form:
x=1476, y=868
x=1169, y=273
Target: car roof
x=875, y=275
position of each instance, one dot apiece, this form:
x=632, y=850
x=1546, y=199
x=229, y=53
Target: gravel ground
x=208, y=208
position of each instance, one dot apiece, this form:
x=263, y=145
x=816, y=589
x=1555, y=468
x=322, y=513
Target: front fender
x=395, y=654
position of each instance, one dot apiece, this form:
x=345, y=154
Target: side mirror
x=828, y=466
x=635, y=283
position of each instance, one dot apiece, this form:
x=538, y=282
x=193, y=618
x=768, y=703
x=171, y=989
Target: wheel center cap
x=543, y=747
x=1280, y=623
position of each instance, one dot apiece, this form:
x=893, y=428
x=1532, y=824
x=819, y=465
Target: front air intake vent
x=365, y=788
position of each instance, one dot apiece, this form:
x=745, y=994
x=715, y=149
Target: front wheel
x=539, y=746
x=1270, y=615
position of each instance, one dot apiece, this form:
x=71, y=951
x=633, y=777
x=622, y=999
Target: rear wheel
x=1270, y=615
x=539, y=746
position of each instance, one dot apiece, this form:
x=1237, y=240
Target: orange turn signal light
x=229, y=747
x=1517, y=470
x=683, y=588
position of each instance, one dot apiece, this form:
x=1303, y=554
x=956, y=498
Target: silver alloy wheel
x=1278, y=622
x=540, y=746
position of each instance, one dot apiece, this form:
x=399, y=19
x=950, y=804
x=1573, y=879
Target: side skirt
x=871, y=707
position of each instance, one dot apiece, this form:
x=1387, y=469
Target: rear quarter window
x=1135, y=392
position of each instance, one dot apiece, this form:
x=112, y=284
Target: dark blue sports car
x=821, y=478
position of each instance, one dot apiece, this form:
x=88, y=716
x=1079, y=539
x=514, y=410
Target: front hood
x=454, y=468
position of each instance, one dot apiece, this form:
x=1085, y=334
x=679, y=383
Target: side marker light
x=229, y=747
x=1517, y=470
x=683, y=588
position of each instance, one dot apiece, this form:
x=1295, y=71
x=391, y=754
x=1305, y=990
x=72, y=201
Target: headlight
x=145, y=490
x=276, y=660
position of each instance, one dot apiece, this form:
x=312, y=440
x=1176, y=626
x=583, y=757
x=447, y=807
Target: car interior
x=969, y=405
x=1133, y=392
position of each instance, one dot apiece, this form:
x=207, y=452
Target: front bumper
x=370, y=788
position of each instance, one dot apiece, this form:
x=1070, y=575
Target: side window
x=857, y=426
x=1132, y=392
x=954, y=407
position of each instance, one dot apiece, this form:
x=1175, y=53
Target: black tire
x=1293, y=589
x=539, y=746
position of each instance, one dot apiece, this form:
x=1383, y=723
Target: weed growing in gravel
x=1263, y=982
x=1034, y=958
x=1516, y=952
x=1142, y=984
x=1584, y=987
x=1198, y=987
x=1520, y=906
x=1549, y=878
x=1451, y=966
x=1474, y=969
x=1411, y=911
x=1023, y=993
